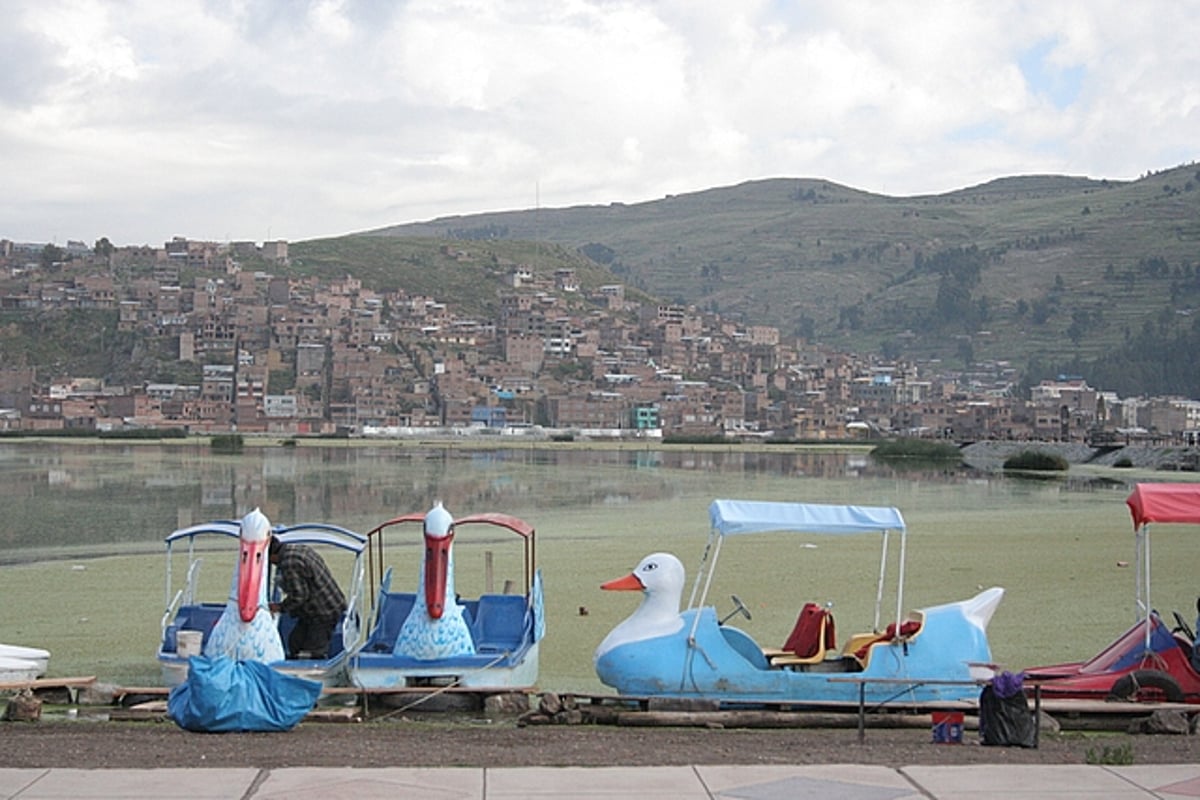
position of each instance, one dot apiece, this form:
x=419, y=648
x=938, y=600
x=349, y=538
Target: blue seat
x=394, y=608
x=501, y=622
x=203, y=617
x=199, y=617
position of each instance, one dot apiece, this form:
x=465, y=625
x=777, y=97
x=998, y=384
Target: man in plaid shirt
x=311, y=596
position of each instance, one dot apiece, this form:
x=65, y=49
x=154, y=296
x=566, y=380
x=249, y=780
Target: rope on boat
x=439, y=690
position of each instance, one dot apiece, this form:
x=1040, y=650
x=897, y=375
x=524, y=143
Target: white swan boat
x=192, y=621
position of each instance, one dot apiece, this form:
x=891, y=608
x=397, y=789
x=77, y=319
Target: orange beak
x=437, y=567
x=251, y=570
x=630, y=583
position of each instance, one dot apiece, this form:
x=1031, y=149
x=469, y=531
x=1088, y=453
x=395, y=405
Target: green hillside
x=1050, y=273
x=469, y=275
x=1055, y=268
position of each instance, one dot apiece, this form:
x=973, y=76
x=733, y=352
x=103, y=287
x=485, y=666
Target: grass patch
x=1114, y=755
x=227, y=443
x=1036, y=461
x=925, y=449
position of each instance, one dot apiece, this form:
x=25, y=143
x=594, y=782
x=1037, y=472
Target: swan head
x=254, y=536
x=439, y=536
x=657, y=574
x=659, y=577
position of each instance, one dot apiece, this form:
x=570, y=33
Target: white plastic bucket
x=188, y=643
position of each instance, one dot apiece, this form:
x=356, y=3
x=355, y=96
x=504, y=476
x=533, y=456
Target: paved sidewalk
x=829, y=782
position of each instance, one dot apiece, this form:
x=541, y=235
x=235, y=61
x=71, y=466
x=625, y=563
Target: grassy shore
x=1068, y=592
x=1061, y=553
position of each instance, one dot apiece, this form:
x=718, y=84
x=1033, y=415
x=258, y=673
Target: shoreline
x=987, y=456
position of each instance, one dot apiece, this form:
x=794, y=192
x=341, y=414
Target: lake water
x=81, y=537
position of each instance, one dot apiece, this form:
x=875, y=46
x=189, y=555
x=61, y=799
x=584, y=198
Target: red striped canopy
x=1164, y=502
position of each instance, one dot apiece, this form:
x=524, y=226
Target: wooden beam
x=48, y=683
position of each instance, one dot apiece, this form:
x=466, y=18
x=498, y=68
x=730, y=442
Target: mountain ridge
x=1053, y=267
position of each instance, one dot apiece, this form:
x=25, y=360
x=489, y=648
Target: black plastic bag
x=1005, y=718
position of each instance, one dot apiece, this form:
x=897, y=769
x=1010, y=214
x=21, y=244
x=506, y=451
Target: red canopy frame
x=375, y=554
x=1154, y=503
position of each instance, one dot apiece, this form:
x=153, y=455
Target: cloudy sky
x=140, y=120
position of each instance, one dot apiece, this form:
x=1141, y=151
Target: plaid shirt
x=309, y=588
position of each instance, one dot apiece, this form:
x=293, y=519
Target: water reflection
x=99, y=496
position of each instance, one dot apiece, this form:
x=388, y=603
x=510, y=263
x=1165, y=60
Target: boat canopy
x=736, y=517
x=1156, y=502
x=731, y=517
x=302, y=533
x=1164, y=502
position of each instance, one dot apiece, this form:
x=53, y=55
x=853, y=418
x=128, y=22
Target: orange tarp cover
x=1164, y=502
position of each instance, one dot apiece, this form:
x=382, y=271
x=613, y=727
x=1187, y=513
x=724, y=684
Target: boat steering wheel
x=738, y=608
x=1182, y=627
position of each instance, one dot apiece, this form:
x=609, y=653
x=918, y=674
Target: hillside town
x=289, y=357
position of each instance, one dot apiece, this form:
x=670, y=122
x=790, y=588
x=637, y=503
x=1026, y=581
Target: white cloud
x=140, y=120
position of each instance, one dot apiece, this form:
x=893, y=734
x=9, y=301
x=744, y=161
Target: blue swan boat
x=936, y=654
x=434, y=637
x=195, y=623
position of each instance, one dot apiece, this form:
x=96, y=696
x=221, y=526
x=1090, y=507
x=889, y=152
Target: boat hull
x=18, y=670
x=199, y=620
x=1106, y=675
x=381, y=671
x=32, y=656
x=938, y=664
x=330, y=673
x=505, y=639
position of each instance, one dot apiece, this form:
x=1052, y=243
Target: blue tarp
x=222, y=695
x=751, y=516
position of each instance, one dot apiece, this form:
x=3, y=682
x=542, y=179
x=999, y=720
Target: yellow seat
x=860, y=645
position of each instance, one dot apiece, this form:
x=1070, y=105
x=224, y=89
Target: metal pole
x=879, y=586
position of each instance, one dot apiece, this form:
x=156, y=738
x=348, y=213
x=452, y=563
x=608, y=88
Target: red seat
x=813, y=632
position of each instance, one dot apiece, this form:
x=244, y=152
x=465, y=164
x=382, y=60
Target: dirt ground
x=430, y=741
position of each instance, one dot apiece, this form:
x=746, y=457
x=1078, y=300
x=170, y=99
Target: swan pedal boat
x=189, y=619
x=936, y=654
x=434, y=637
x=1152, y=661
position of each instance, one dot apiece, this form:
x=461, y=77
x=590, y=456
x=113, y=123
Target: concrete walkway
x=829, y=782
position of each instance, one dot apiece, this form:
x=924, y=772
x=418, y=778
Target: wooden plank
x=1111, y=707
x=333, y=715
x=151, y=705
x=419, y=690
x=767, y=719
x=48, y=683
x=122, y=691
x=795, y=706
x=157, y=711
x=134, y=715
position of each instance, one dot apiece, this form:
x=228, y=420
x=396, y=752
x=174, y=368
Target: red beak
x=437, y=568
x=251, y=570
x=630, y=583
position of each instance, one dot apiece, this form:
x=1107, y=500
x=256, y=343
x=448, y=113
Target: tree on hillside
x=1157, y=360
x=960, y=271
x=966, y=351
x=51, y=255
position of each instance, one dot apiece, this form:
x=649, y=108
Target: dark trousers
x=310, y=638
